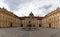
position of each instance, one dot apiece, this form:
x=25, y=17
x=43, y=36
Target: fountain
x=29, y=28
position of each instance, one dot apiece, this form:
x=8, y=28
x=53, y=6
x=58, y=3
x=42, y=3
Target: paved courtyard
x=18, y=32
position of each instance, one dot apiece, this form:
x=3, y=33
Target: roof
x=8, y=12
x=53, y=12
x=22, y=18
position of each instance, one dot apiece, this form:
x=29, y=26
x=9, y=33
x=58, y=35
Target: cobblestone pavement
x=18, y=32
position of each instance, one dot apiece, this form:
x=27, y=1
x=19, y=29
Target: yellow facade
x=8, y=19
x=52, y=20
x=31, y=21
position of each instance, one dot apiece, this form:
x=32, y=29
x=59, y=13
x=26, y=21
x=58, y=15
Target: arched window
x=33, y=25
x=29, y=22
x=29, y=25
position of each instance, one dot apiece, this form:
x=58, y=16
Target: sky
x=24, y=7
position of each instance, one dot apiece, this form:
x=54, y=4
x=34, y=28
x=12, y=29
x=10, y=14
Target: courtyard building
x=8, y=19
x=51, y=20
x=31, y=21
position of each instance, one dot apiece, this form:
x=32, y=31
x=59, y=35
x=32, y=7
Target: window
x=33, y=25
x=29, y=22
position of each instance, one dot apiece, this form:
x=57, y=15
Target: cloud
x=38, y=7
x=14, y=4
x=47, y=7
x=1, y=3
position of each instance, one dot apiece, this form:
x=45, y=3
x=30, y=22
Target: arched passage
x=39, y=25
x=50, y=25
x=21, y=25
x=10, y=24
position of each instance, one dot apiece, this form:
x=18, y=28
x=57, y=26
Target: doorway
x=29, y=25
x=39, y=25
x=10, y=24
x=21, y=25
x=49, y=25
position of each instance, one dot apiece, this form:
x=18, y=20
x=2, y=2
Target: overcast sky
x=24, y=7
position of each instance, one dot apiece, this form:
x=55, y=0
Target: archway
x=50, y=25
x=10, y=24
x=21, y=25
x=39, y=25
x=29, y=25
